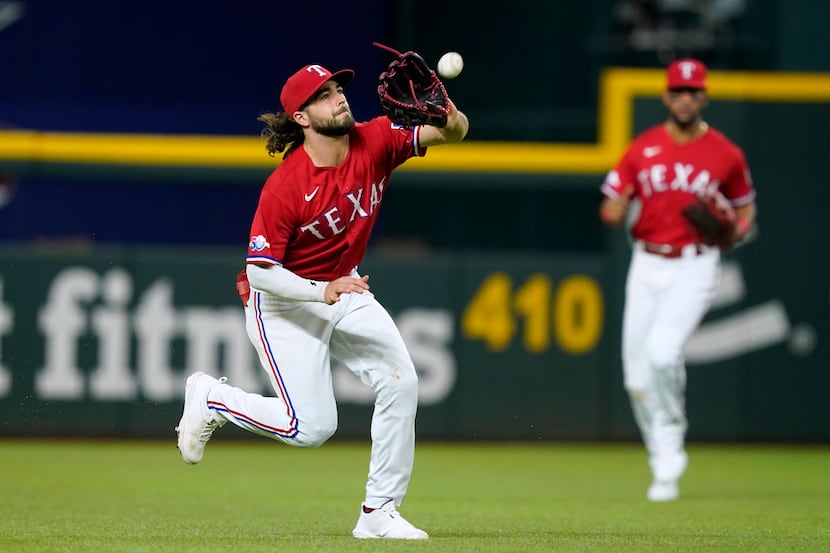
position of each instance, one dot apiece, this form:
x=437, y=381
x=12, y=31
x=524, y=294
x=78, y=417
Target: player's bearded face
x=685, y=106
x=683, y=120
x=338, y=124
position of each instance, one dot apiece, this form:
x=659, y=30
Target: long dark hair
x=280, y=132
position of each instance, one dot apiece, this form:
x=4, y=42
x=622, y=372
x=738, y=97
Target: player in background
x=672, y=277
x=307, y=302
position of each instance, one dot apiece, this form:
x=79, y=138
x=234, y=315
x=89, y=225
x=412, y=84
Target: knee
x=402, y=382
x=314, y=434
x=399, y=385
x=662, y=356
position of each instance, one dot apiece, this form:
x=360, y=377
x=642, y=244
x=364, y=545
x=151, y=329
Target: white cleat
x=197, y=423
x=386, y=522
x=663, y=490
x=667, y=469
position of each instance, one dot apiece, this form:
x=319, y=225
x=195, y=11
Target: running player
x=308, y=302
x=672, y=278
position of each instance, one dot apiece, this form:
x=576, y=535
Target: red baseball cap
x=686, y=73
x=304, y=83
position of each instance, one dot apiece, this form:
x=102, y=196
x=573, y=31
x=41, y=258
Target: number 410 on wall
x=572, y=314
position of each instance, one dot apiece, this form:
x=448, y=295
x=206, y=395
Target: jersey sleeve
x=402, y=142
x=270, y=231
x=738, y=187
x=620, y=177
x=388, y=143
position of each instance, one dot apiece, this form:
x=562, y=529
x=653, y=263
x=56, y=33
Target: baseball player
x=305, y=300
x=672, y=277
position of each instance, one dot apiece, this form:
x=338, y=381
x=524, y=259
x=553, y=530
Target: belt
x=672, y=252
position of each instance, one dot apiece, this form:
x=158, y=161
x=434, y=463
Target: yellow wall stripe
x=618, y=89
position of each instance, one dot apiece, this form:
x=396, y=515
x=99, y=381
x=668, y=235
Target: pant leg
x=642, y=296
x=369, y=344
x=292, y=341
x=687, y=297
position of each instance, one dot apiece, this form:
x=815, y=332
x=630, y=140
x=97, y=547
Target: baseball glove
x=410, y=92
x=713, y=218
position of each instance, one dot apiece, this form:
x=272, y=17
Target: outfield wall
x=506, y=346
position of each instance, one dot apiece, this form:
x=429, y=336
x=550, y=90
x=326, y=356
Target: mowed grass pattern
x=251, y=496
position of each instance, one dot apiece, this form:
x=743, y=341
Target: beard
x=331, y=127
x=685, y=123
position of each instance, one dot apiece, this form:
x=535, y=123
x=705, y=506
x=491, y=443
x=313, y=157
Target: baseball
x=450, y=65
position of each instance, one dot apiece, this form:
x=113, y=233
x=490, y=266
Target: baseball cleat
x=386, y=522
x=663, y=490
x=669, y=465
x=197, y=423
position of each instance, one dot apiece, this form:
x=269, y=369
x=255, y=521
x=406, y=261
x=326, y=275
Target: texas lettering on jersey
x=683, y=177
x=331, y=222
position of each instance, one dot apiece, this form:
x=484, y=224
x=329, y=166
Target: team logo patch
x=259, y=243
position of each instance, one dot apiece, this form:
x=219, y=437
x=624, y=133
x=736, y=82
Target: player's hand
x=345, y=285
x=612, y=211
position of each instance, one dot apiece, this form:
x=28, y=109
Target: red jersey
x=667, y=176
x=316, y=221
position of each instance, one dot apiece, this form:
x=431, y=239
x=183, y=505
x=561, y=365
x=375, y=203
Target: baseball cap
x=304, y=83
x=686, y=73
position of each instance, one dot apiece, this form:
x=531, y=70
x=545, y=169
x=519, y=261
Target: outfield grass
x=261, y=496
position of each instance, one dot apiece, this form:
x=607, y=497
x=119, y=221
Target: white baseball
x=450, y=65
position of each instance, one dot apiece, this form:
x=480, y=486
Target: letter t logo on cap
x=318, y=68
x=687, y=69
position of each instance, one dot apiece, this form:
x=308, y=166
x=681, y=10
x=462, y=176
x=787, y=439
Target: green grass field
x=250, y=496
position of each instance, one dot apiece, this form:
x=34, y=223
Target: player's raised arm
x=456, y=129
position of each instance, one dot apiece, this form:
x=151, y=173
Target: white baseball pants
x=666, y=298
x=295, y=342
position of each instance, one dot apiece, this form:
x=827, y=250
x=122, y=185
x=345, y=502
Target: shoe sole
x=365, y=535
x=663, y=496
